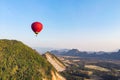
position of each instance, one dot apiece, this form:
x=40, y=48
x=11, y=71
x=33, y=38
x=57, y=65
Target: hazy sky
x=91, y=25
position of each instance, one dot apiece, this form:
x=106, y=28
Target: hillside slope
x=58, y=65
x=20, y=62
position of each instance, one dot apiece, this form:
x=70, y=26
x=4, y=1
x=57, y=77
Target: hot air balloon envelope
x=36, y=27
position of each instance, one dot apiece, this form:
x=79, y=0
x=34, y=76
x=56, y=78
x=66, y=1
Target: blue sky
x=90, y=25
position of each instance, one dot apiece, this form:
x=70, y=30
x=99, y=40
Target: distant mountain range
x=43, y=50
x=85, y=54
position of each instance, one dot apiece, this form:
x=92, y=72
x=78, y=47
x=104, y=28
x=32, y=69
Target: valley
x=90, y=69
x=90, y=66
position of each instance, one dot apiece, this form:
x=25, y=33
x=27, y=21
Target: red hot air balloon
x=36, y=27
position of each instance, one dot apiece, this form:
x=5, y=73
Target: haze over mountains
x=85, y=54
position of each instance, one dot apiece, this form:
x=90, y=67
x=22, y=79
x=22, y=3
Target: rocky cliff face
x=55, y=76
x=58, y=65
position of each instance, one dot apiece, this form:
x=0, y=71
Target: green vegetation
x=73, y=72
x=20, y=62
